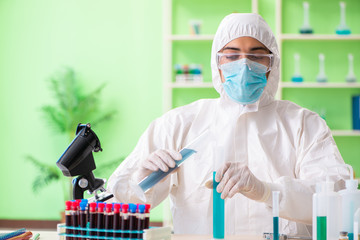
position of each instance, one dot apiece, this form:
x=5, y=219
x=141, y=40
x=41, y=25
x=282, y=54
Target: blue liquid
x=218, y=212
x=306, y=31
x=297, y=79
x=343, y=32
x=157, y=176
x=276, y=228
x=351, y=236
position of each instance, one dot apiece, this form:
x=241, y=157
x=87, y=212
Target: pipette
x=350, y=78
x=342, y=29
x=155, y=177
x=306, y=28
x=297, y=76
x=275, y=208
x=321, y=77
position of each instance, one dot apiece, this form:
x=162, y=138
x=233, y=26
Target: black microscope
x=77, y=160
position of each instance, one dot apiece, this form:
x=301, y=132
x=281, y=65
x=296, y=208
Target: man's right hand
x=160, y=159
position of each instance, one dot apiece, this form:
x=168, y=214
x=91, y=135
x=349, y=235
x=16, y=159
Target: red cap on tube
x=93, y=207
x=67, y=205
x=117, y=207
x=74, y=206
x=101, y=207
x=147, y=208
x=125, y=208
x=108, y=207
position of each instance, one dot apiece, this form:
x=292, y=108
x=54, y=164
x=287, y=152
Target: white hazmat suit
x=284, y=145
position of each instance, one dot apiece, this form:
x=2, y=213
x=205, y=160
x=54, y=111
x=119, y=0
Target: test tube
x=109, y=219
x=117, y=220
x=100, y=218
x=147, y=216
x=141, y=221
x=82, y=215
x=218, y=212
x=92, y=219
x=132, y=220
x=275, y=200
x=68, y=213
x=155, y=177
x=74, y=217
x=125, y=221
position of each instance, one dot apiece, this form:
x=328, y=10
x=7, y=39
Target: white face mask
x=245, y=80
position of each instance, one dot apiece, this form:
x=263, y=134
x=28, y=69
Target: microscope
x=78, y=161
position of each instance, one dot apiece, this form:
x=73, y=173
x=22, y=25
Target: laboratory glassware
x=321, y=77
x=297, y=76
x=350, y=201
x=275, y=198
x=149, y=181
x=351, y=78
x=306, y=28
x=326, y=212
x=342, y=29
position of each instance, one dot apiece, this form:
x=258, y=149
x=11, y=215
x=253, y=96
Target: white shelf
x=318, y=37
x=191, y=37
x=191, y=85
x=345, y=133
x=319, y=85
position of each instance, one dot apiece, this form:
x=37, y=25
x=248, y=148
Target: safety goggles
x=263, y=59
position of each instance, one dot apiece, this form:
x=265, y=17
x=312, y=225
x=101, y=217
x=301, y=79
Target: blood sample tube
x=147, y=216
x=75, y=217
x=141, y=221
x=100, y=218
x=92, y=219
x=133, y=220
x=83, y=217
x=125, y=221
x=117, y=220
x=109, y=220
x=68, y=213
x=78, y=201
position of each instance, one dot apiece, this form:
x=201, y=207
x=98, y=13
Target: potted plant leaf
x=72, y=106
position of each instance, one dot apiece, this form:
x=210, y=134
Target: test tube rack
x=87, y=233
x=99, y=220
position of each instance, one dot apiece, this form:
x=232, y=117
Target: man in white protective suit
x=258, y=144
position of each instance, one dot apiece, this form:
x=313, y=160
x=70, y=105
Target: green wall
x=112, y=41
x=120, y=43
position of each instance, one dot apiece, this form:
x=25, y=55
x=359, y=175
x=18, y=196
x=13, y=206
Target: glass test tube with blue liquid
x=218, y=202
x=218, y=212
x=275, y=200
x=155, y=177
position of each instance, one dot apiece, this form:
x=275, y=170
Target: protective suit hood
x=246, y=25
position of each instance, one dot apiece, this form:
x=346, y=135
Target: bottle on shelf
x=342, y=29
x=350, y=77
x=306, y=28
x=321, y=77
x=297, y=76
